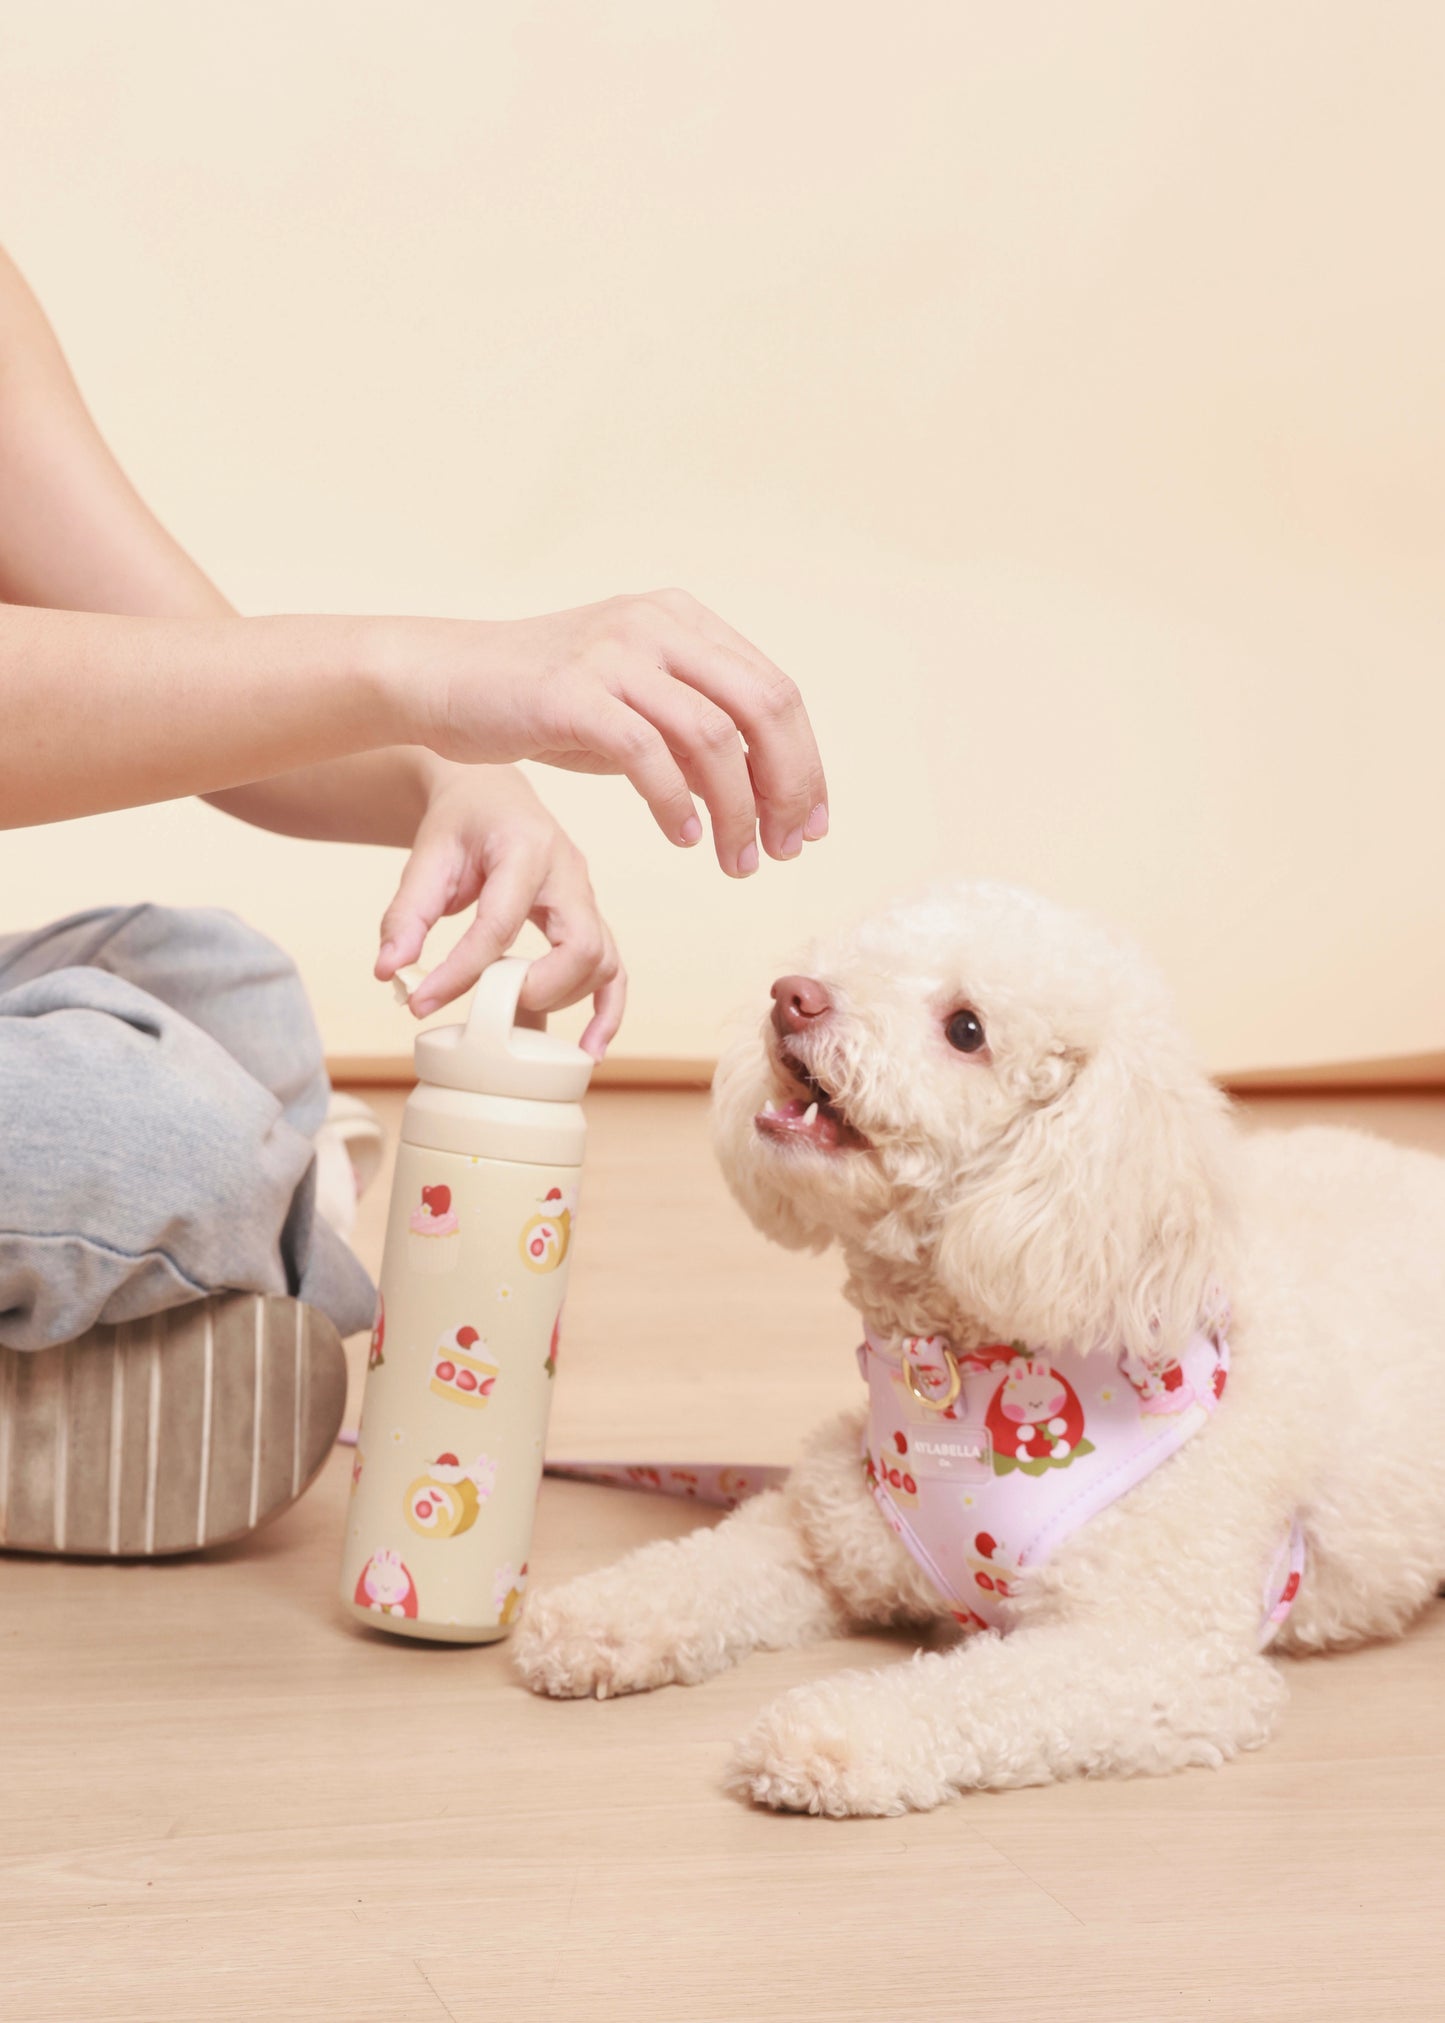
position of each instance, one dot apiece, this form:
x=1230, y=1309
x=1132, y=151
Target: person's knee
x=202, y=950
x=138, y=1153
x=237, y=984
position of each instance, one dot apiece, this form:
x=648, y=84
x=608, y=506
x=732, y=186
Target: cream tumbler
x=459, y=1382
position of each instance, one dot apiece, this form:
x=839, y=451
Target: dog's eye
x=965, y=1031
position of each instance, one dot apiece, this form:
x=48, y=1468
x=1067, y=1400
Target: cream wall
x=1055, y=391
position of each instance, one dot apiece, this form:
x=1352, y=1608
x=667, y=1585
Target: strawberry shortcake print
x=895, y=1469
x=459, y=1372
x=992, y=1574
x=1035, y=1419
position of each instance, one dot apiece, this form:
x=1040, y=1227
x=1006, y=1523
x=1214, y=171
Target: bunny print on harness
x=984, y=1463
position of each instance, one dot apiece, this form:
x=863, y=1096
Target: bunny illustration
x=1035, y=1419
x=386, y=1585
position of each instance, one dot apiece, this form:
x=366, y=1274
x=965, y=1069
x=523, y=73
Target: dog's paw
x=848, y=1747
x=574, y=1642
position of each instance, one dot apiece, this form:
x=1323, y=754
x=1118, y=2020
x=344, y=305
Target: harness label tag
x=951, y=1452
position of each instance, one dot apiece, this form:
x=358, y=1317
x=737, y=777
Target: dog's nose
x=798, y=1002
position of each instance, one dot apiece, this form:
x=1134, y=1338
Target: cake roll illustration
x=386, y=1586
x=444, y=1502
x=543, y=1243
x=459, y=1375
x=507, y=1591
x=433, y=1238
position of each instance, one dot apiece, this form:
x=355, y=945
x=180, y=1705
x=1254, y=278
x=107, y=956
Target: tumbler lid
x=493, y=1054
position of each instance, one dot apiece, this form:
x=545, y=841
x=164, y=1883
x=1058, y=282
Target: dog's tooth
x=770, y=1108
x=809, y=1115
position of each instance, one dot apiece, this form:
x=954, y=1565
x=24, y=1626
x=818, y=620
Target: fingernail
x=748, y=860
x=691, y=830
x=816, y=826
x=793, y=844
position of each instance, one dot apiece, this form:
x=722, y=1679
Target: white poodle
x=986, y=1102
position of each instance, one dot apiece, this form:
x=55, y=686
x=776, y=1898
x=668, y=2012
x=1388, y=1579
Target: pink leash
x=723, y=1484
x=726, y=1484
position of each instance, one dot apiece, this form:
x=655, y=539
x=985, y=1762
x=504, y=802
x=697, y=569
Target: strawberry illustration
x=437, y=1199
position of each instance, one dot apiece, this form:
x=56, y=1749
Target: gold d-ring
x=955, y=1383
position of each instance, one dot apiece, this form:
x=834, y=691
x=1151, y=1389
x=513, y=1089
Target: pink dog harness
x=984, y=1463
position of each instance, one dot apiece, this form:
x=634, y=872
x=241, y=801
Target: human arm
x=126, y=677
x=187, y=697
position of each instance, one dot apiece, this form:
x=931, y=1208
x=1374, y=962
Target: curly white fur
x=1078, y=1182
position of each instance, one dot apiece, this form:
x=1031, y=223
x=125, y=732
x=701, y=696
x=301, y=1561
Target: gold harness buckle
x=955, y=1383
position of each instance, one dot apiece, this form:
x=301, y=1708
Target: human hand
x=485, y=837
x=656, y=687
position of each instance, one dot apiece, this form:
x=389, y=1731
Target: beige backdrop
x=1055, y=391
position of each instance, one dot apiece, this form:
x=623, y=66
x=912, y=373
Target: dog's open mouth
x=808, y=1114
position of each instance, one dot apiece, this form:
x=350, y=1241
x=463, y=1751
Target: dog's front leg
x=1048, y=1702
x=679, y=1610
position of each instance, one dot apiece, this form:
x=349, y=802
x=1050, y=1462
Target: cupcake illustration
x=543, y=1243
x=457, y=1373
x=507, y=1591
x=433, y=1239
x=444, y=1502
x=386, y=1586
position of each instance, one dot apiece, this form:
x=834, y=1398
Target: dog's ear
x=1100, y=1216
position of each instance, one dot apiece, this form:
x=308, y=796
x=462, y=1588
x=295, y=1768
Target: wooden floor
x=222, y=1801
